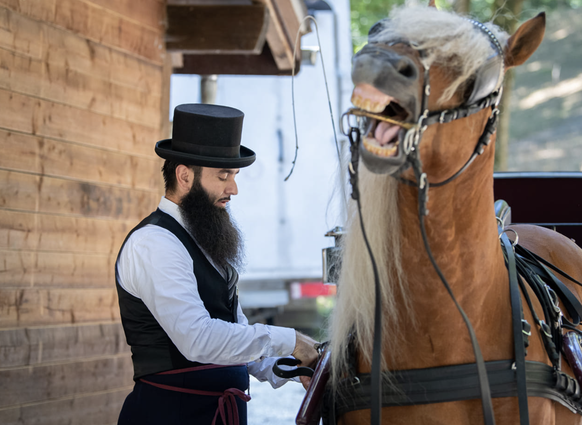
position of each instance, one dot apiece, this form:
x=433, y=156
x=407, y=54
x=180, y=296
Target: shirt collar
x=173, y=210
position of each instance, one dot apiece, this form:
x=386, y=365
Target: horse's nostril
x=405, y=68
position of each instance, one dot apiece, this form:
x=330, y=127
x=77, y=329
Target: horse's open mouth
x=381, y=138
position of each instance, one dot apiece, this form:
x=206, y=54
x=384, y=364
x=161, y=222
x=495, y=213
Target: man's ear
x=184, y=178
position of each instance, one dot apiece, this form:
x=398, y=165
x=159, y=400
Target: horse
x=464, y=62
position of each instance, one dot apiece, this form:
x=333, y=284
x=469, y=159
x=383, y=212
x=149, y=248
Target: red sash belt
x=226, y=403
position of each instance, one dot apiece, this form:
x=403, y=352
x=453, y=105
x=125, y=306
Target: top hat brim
x=164, y=150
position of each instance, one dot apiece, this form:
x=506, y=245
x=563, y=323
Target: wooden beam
x=36, y=307
x=95, y=23
x=217, y=29
x=286, y=17
x=24, y=269
x=263, y=64
x=55, y=158
x=43, y=118
x=101, y=407
x=34, y=346
x=57, y=233
x=26, y=192
x=28, y=385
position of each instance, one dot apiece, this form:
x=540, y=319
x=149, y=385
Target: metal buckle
x=527, y=333
x=442, y=116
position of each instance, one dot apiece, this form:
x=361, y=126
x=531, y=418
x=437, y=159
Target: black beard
x=212, y=227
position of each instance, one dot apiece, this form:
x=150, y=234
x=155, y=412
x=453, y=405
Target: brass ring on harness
x=516, y=241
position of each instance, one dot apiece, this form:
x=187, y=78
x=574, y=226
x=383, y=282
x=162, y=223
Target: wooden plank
x=20, y=34
x=38, y=10
x=150, y=13
x=63, y=380
x=19, y=191
x=16, y=269
x=56, y=233
x=280, y=34
x=217, y=29
x=90, y=58
x=291, y=14
x=25, y=269
x=262, y=64
x=34, y=307
x=165, y=124
x=62, y=159
x=48, y=119
x=35, y=346
x=110, y=29
x=61, y=84
x=86, y=409
x=60, y=48
x=97, y=24
x=32, y=193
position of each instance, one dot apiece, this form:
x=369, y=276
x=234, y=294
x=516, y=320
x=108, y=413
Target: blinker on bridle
x=408, y=156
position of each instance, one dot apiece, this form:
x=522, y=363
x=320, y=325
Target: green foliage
x=365, y=13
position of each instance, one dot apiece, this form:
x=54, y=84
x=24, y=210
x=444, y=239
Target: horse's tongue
x=385, y=132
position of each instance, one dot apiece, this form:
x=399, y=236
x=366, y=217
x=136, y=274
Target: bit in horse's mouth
x=381, y=138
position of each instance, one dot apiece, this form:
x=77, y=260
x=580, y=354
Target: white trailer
x=284, y=222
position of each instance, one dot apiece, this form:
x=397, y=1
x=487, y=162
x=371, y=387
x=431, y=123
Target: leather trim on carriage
x=452, y=383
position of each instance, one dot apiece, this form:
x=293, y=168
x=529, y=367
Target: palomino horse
x=421, y=328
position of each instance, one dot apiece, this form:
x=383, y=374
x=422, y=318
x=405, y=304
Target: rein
x=411, y=142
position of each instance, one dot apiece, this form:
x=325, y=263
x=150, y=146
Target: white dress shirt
x=155, y=267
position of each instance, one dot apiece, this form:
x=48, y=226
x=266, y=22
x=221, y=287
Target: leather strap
x=452, y=383
x=516, y=317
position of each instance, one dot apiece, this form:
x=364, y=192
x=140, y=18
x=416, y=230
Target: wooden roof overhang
x=234, y=36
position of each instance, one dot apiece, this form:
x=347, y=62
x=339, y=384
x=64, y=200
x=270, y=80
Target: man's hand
x=305, y=381
x=305, y=350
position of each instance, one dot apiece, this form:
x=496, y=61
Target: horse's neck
x=462, y=233
x=461, y=229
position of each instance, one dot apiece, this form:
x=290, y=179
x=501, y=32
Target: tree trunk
x=462, y=7
x=502, y=138
x=505, y=12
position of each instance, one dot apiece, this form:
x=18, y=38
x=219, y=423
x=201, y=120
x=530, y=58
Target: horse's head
x=418, y=68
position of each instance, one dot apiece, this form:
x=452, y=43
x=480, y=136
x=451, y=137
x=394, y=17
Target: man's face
x=220, y=184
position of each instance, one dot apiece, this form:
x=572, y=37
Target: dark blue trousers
x=150, y=405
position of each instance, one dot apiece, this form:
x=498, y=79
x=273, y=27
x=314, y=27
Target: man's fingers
x=305, y=381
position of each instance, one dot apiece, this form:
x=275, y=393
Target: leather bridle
x=411, y=158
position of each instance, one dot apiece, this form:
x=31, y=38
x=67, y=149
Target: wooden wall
x=84, y=89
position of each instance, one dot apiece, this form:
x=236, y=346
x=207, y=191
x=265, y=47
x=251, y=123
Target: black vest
x=152, y=350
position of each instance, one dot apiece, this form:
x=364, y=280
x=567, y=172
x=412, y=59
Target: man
x=192, y=347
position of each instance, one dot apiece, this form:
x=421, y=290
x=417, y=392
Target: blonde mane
x=354, y=311
x=447, y=39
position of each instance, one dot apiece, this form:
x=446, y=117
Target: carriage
x=452, y=308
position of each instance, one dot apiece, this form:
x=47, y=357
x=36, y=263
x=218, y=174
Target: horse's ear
x=525, y=41
x=432, y=3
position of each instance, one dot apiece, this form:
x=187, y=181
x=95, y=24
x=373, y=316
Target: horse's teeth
x=367, y=104
x=378, y=150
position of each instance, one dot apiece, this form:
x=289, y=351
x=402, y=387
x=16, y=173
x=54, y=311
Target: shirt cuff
x=282, y=341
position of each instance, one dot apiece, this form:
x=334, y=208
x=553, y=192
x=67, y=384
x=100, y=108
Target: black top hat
x=206, y=135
